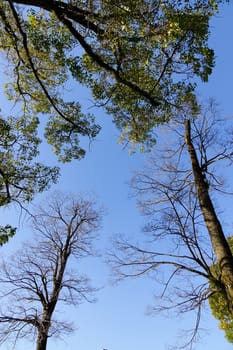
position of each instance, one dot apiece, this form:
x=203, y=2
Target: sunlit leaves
x=20, y=176
x=138, y=58
x=6, y=232
x=154, y=49
x=39, y=49
x=64, y=134
x=219, y=304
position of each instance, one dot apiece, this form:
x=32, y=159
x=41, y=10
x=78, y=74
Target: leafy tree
x=40, y=276
x=185, y=237
x=20, y=176
x=138, y=59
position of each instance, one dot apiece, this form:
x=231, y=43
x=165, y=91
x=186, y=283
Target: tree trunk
x=218, y=239
x=41, y=343
x=43, y=332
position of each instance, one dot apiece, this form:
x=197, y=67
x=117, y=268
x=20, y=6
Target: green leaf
x=6, y=232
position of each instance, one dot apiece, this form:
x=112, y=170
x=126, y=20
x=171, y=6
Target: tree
x=21, y=177
x=39, y=276
x=185, y=236
x=137, y=59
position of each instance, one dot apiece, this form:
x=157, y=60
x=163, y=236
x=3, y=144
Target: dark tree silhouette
x=46, y=271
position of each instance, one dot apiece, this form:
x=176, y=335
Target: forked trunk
x=218, y=239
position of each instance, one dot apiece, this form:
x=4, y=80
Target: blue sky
x=118, y=321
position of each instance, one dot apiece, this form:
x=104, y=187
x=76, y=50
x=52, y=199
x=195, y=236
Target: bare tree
x=45, y=271
x=184, y=234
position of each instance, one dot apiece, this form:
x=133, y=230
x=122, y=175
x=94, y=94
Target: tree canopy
x=141, y=61
x=137, y=58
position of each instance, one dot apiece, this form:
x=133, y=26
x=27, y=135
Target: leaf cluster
x=218, y=301
x=6, y=232
x=38, y=48
x=20, y=176
x=138, y=59
x=150, y=52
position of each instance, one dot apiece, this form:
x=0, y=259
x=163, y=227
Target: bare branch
x=180, y=244
x=38, y=277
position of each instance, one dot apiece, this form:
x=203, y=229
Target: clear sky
x=118, y=320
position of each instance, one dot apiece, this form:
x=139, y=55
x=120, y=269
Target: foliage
x=159, y=47
x=138, y=59
x=219, y=303
x=20, y=176
x=6, y=232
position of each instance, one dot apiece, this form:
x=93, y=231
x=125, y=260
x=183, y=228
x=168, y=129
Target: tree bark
x=218, y=239
x=43, y=329
x=41, y=342
x=42, y=337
